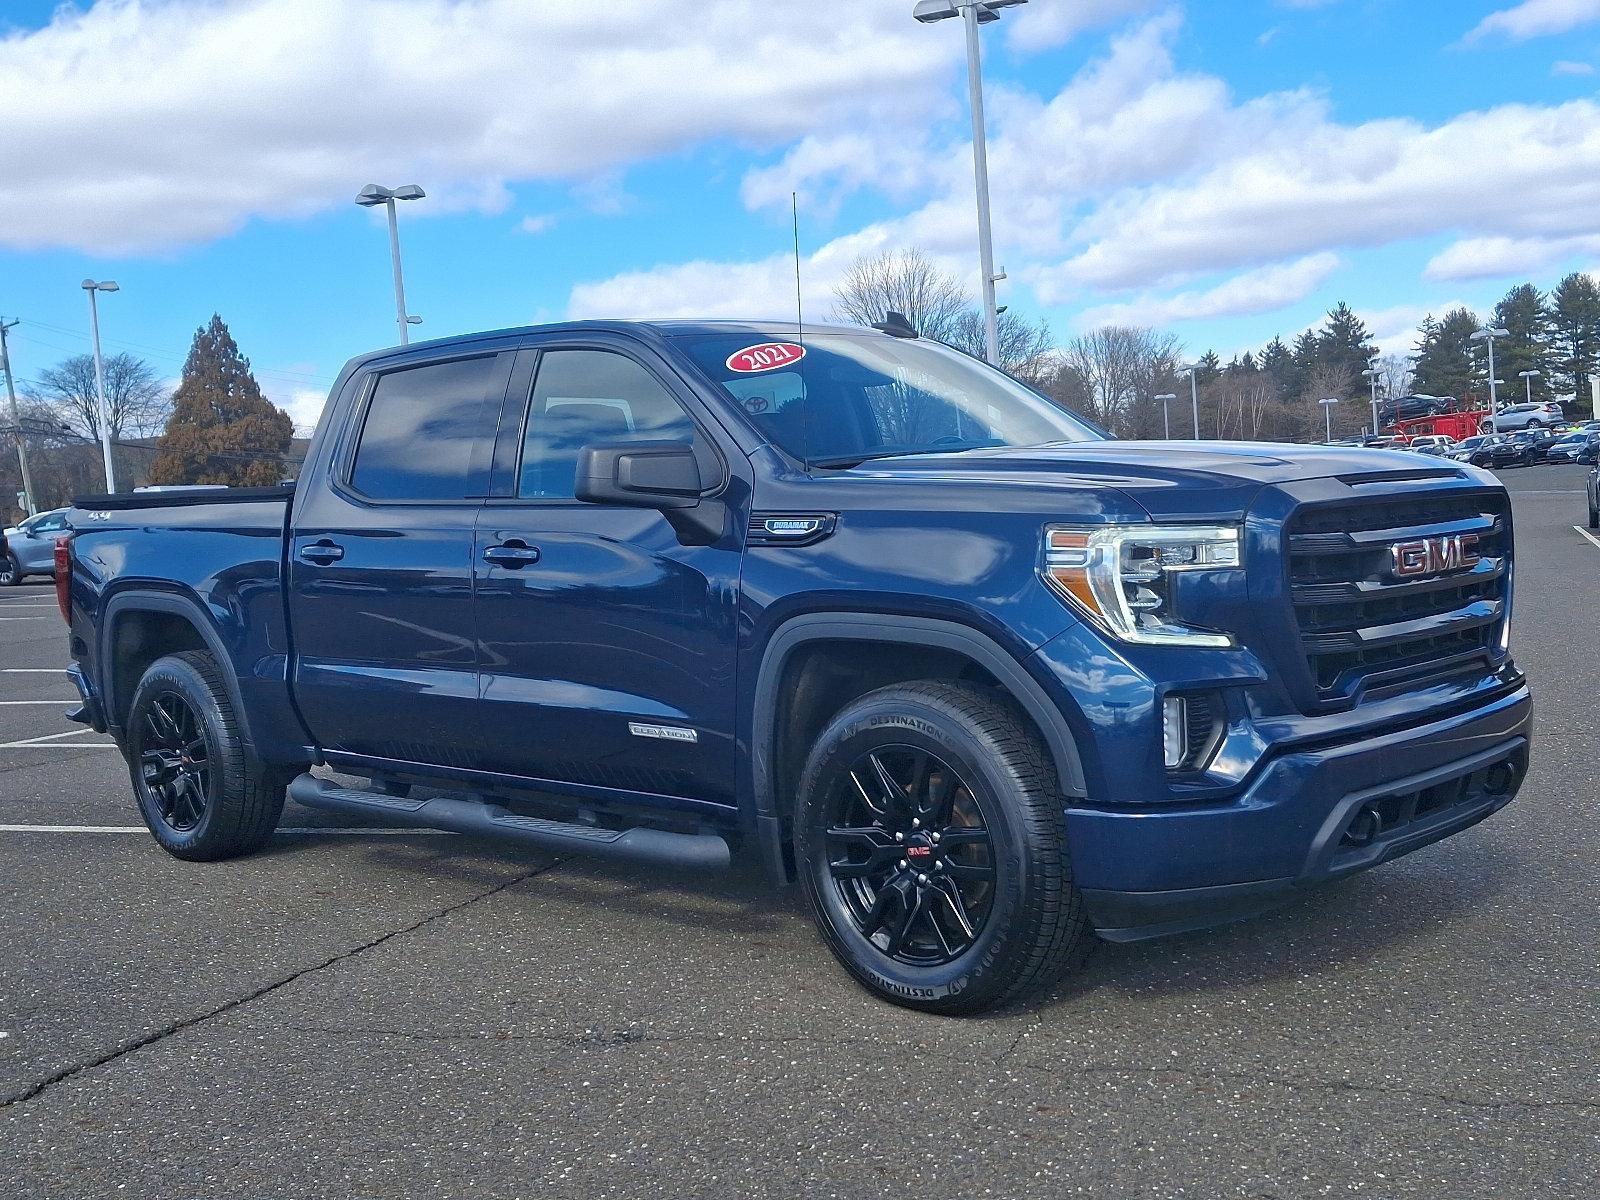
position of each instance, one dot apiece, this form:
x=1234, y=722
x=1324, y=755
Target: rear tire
x=1594, y=517
x=10, y=571
x=959, y=925
x=203, y=795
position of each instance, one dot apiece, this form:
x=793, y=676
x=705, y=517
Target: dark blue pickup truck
x=984, y=681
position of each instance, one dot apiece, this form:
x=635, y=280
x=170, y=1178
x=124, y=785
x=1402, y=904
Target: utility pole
x=16, y=419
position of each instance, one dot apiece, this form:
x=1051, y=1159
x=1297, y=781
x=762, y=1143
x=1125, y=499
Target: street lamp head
x=1329, y=400
x=372, y=195
x=1528, y=374
x=413, y=319
x=103, y=285
x=929, y=11
x=1167, y=396
x=1372, y=373
x=409, y=192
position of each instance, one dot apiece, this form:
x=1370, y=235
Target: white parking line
x=24, y=618
x=18, y=703
x=293, y=831
x=33, y=670
x=1588, y=537
x=58, y=745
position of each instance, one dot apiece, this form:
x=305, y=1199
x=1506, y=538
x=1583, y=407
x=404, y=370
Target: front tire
x=1594, y=517
x=10, y=571
x=931, y=842
x=202, y=793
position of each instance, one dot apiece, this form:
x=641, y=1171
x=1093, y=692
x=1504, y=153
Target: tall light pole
x=91, y=286
x=1327, y=403
x=974, y=13
x=16, y=421
x=369, y=197
x=1489, y=335
x=1194, y=395
x=1372, y=374
x=1527, y=378
x=1166, y=416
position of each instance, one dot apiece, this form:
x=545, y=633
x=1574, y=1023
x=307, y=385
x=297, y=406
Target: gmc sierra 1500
x=984, y=680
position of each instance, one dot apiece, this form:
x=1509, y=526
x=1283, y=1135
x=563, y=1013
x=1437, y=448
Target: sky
x=1224, y=170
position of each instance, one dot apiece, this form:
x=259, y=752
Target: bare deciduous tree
x=906, y=282
x=137, y=403
x=1114, y=372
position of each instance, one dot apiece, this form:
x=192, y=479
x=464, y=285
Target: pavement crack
x=1026, y=1031
x=1324, y=1085
x=73, y=1070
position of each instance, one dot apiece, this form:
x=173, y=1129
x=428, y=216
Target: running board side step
x=697, y=851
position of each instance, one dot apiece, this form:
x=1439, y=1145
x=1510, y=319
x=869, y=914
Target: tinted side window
x=585, y=396
x=421, y=427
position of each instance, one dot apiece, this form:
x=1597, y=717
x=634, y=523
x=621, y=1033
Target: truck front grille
x=1393, y=593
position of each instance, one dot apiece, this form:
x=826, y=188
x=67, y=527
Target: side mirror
x=661, y=475
x=638, y=474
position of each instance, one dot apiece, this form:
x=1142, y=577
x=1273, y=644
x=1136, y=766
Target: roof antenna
x=800, y=336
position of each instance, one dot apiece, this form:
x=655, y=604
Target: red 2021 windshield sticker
x=768, y=356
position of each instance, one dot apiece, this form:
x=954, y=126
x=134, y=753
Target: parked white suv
x=1524, y=416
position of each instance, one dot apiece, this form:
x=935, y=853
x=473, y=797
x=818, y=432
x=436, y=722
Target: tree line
x=214, y=427
x=1114, y=374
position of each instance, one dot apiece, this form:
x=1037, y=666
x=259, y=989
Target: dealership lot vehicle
x=1537, y=415
x=28, y=548
x=661, y=571
x=1475, y=449
x=348, y=988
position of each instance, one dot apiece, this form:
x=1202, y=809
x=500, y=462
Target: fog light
x=1174, y=731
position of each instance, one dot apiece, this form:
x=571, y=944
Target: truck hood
x=1169, y=480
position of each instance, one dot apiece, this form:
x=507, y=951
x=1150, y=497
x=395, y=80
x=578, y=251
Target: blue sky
x=1224, y=170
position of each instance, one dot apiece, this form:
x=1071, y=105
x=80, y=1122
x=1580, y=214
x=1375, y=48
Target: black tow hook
x=1364, y=827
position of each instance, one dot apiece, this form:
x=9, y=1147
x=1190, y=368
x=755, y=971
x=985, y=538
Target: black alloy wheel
x=10, y=571
x=174, y=762
x=910, y=855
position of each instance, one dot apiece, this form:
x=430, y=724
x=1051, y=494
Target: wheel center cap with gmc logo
x=919, y=850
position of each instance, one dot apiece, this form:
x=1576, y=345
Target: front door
x=380, y=565
x=606, y=646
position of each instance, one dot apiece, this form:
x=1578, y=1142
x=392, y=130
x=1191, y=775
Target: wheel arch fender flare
x=129, y=602
x=878, y=627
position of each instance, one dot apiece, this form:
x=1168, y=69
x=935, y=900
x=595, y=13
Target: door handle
x=322, y=553
x=512, y=555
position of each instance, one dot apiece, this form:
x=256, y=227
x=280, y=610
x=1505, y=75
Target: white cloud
x=1137, y=176
x=1265, y=289
x=1536, y=18
x=1053, y=23
x=537, y=223
x=1498, y=257
x=1311, y=184
x=1568, y=67
x=123, y=132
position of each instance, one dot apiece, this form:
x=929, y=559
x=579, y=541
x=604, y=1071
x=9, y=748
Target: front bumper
x=1311, y=814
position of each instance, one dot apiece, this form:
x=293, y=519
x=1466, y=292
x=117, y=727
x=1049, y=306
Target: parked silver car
x=30, y=547
x=1525, y=416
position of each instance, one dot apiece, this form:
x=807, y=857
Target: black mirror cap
x=661, y=475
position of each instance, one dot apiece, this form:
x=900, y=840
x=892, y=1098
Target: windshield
x=839, y=398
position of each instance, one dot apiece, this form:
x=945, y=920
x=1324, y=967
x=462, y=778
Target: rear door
x=380, y=562
x=607, y=647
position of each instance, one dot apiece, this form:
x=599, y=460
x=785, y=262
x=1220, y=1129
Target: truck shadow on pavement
x=1364, y=918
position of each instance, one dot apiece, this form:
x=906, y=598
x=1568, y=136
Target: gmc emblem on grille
x=1432, y=556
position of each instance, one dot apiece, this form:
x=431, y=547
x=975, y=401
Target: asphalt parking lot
x=370, y=1013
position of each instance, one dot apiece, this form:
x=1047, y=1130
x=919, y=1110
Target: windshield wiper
x=855, y=460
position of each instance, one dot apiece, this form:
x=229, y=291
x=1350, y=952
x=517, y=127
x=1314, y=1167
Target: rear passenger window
x=586, y=396
x=421, y=427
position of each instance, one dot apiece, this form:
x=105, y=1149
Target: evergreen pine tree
x=1210, y=367
x=1444, y=363
x=1575, y=329
x=1525, y=316
x=222, y=429
x=1345, y=346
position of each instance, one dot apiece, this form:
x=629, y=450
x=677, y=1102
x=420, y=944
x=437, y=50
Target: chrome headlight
x=1120, y=576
